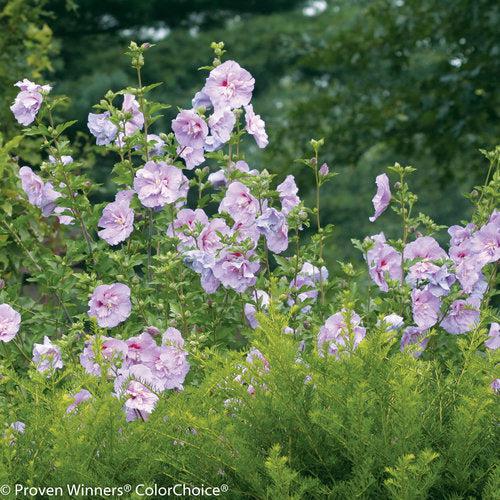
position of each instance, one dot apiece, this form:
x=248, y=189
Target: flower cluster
x=343, y=330
x=141, y=368
x=433, y=274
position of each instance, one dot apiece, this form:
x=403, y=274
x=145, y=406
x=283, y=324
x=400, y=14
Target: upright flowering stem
x=405, y=200
x=138, y=63
x=318, y=220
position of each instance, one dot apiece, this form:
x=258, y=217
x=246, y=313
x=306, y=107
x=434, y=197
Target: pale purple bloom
x=288, y=194
x=459, y=234
x=190, y=129
x=65, y=159
x=235, y=270
x=117, y=219
x=467, y=267
x=476, y=295
x=486, y=243
x=414, y=335
x=305, y=283
x=324, y=170
x=112, y=351
x=494, y=217
x=307, y=288
x=256, y=126
x=260, y=298
x=273, y=225
x=202, y=263
x=78, y=399
x=242, y=166
x=192, y=157
x=255, y=355
x=313, y=272
x=201, y=100
x=156, y=145
x=172, y=336
x=217, y=179
x=185, y=224
x=208, y=280
x=424, y=247
x=18, y=426
x=137, y=384
x=141, y=401
x=383, y=262
x=425, y=307
x=65, y=220
x=493, y=341
x=110, y=304
x=28, y=102
x=170, y=365
x=10, y=321
x=495, y=385
x=393, y=322
x=102, y=128
x=136, y=120
x=221, y=124
x=40, y=194
x=341, y=329
x=229, y=85
x=246, y=233
x=212, y=144
x=460, y=318
x=140, y=349
x=239, y=203
x=209, y=240
x=382, y=198
x=28, y=86
x=158, y=184
x=438, y=278
x=47, y=356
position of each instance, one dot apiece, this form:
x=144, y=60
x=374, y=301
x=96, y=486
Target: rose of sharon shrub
x=258, y=328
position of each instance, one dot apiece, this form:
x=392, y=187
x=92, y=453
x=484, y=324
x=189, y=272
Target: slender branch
x=320, y=230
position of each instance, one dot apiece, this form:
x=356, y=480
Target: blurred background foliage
x=412, y=81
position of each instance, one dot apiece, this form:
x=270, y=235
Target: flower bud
x=2, y=284
x=324, y=170
x=152, y=330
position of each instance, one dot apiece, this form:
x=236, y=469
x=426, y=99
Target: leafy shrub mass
x=186, y=331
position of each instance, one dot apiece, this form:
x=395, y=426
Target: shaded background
x=412, y=81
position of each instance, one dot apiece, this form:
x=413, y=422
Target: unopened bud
x=324, y=170
x=152, y=330
x=2, y=284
